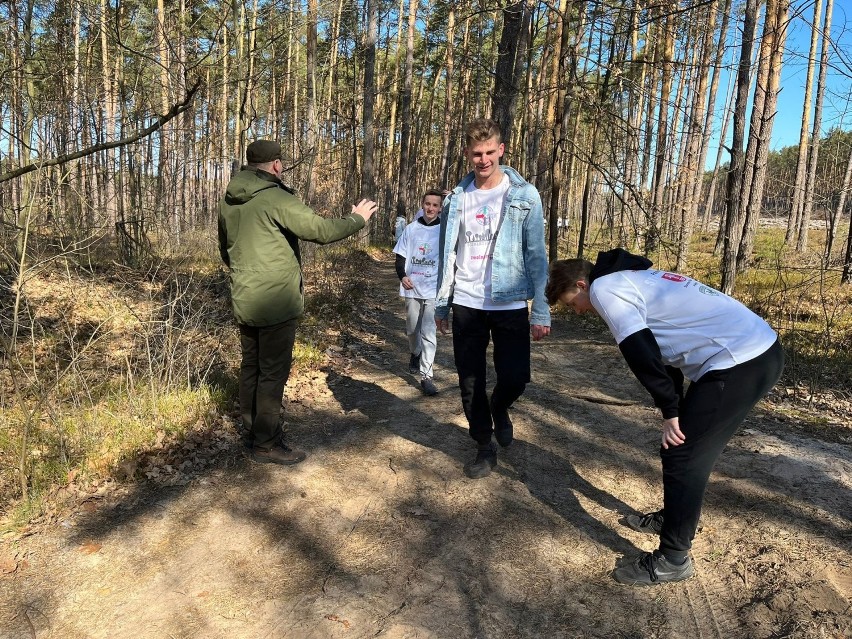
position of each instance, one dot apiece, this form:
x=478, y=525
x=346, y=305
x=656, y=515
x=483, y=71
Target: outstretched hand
x=672, y=433
x=365, y=208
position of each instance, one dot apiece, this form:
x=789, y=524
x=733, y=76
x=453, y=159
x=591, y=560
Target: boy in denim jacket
x=492, y=261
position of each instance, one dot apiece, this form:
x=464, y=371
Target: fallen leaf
x=127, y=468
x=8, y=565
x=345, y=623
x=89, y=506
x=90, y=548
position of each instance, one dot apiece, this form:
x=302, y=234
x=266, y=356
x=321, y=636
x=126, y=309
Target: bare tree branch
x=176, y=110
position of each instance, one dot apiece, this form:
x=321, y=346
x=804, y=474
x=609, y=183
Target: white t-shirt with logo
x=418, y=244
x=697, y=328
x=481, y=217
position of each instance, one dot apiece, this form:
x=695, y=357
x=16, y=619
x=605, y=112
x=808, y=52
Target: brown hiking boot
x=278, y=454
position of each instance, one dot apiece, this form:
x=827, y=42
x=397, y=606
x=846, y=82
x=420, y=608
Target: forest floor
x=379, y=533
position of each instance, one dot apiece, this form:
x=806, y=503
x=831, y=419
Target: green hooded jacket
x=260, y=225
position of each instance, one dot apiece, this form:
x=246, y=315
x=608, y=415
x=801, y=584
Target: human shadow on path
x=553, y=486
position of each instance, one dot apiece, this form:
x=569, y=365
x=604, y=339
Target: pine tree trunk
x=108, y=134
x=509, y=57
x=652, y=46
x=846, y=276
x=394, y=101
x=708, y=118
x=794, y=222
x=310, y=100
x=166, y=211
x=697, y=136
x=552, y=131
x=776, y=25
x=733, y=205
x=633, y=199
x=813, y=155
x=404, y=159
x=842, y=196
x=720, y=236
x=652, y=237
x=368, y=178
x=449, y=139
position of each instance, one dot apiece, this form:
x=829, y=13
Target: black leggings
x=710, y=414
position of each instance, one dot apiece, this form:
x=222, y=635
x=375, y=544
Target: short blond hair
x=480, y=131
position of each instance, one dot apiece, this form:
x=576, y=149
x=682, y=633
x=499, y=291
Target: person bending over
x=670, y=327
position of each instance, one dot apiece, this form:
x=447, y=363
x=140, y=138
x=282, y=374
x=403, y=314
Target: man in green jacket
x=260, y=224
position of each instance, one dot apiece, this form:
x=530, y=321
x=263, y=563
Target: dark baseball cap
x=263, y=151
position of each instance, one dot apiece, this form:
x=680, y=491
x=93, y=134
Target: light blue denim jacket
x=519, y=268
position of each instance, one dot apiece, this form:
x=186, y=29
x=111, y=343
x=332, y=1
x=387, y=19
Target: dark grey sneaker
x=414, y=364
x=651, y=523
x=428, y=386
x=652, y=568
x=278, y=454
x=503, y=429
x=485, y=462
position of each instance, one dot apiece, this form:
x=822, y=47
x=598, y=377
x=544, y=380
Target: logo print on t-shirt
x=708, y=291
x=483, y=216
x=674, y=277
x=424, y=248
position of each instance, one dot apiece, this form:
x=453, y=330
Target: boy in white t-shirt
x=417, y=268
x=670, y=327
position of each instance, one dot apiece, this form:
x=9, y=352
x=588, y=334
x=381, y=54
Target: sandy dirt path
x=379, y=533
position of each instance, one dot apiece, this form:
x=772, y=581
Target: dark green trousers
x=267, y=357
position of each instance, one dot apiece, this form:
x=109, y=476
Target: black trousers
x=267, y=357
x=711, y=412
x=472, y=330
